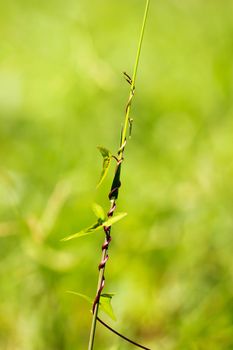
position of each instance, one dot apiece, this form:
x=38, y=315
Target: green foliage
x=104, y=303
x=83, y=296
x=106, y=306
x=106, y=163
x=98, y=211
x=112, y=220
x=61, y=94
x=97, y=226
x=89, y=230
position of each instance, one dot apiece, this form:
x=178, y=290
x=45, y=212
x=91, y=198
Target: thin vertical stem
x=112, y=199
x=132, y=87
x=95, y=314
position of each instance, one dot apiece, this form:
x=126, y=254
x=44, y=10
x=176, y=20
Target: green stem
x=120, y=154
x=95, y=314
x=132, y=87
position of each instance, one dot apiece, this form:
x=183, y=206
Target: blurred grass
x=61, y=95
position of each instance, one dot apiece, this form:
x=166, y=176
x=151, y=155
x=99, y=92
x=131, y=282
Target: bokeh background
x=62, y=93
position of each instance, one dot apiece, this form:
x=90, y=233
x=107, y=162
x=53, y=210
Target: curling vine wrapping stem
x=120, y=158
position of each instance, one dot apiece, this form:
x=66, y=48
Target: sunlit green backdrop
x=62, y=93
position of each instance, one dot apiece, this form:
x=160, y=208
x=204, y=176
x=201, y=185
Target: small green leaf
x=104, y=303
x=106, y=163
x=105, y=152
x=113, y=219
x=83, y=296
x=95, y=227
x=106, y=306
x=98, y=211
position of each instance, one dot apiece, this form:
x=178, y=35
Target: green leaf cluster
x=104, y=303
x=102, y=220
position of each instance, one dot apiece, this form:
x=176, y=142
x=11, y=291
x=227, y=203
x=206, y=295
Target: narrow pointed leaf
x=112, y=220
x=106, y=306
x=83, y=296
x=98, y=211
x=107, y=156
x=95, y=227
x=104, y=151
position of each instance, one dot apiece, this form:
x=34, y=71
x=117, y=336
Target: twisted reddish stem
x=113, y=195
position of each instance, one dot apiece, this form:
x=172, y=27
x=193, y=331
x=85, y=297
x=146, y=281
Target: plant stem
x=132, y=88
x=95, y=314
x=112, y=196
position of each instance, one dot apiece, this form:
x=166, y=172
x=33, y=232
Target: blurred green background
x=62, y=93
